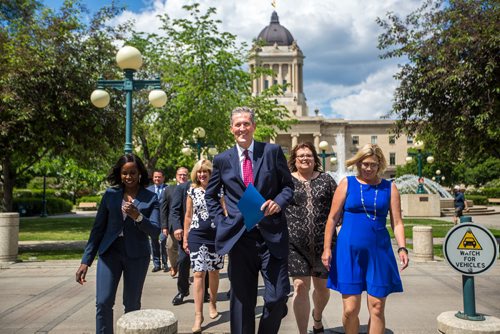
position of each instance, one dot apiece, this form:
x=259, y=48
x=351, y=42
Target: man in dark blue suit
x=159, y=241
x=265, y=247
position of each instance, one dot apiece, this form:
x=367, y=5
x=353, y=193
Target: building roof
x=275, y=33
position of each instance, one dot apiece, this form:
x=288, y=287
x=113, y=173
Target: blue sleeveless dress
x=363, y=259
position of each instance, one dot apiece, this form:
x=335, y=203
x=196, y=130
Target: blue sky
x=343, y=75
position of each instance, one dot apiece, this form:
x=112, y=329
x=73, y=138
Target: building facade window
x=355, y=140
x=266, y=84
x=409, y=140
x=392, y=159
x=392, y=140
x=374, y=140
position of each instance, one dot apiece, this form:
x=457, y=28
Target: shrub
x=477, y=199
x=38, y=193
x=32, y=206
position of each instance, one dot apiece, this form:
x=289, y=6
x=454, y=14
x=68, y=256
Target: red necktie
x=247, y=169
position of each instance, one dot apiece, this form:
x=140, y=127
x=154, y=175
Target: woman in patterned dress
x=199, y=243
x=306, y=216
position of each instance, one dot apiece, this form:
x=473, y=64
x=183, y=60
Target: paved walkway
x=42, y=297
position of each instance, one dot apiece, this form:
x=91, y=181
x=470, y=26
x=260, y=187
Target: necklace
x=374, y=202
x=304, y=179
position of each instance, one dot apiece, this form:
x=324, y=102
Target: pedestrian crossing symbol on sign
x=469, y=241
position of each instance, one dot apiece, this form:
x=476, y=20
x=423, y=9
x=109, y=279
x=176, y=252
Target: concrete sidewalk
x=42, y=297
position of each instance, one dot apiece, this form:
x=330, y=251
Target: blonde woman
x=199, y=243
x=363, y=259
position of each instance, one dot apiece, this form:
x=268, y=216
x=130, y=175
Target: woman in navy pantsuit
x=128, y=213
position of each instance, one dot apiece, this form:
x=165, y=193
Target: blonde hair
x=367, y=151
x=202, y=164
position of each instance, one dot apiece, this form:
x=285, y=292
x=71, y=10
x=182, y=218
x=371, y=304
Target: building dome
x=275, y=33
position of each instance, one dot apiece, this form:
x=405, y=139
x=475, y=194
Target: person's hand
x=165, y=232
x=81, y=273
x=404, y=260
x=178, y=234
x=271, y=207
x=131, y=210
x=185, y=246
x=326, y=258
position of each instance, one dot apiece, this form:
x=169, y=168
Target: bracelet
x=404, y=249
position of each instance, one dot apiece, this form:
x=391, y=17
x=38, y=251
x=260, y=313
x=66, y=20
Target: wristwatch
x=140, y=218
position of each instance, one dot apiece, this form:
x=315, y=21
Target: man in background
x=158, y=242
x=181, y=176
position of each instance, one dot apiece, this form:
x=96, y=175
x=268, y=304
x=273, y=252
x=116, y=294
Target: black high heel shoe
x=320, y=330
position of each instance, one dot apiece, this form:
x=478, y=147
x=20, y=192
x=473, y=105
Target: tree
x=449, y=88
x=203, y=75
x=49, y=63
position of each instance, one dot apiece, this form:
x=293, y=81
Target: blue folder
x=249, y=205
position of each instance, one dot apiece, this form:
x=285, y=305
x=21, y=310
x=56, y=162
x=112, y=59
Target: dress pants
x=172, y=250
x=184, y=265
x=110, y=267
x=248, y=256
x=155, y=250
x=163, y=250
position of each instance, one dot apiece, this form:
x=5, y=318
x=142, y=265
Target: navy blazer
x=178, y=206
x=165, y=204
x=272, y=179
x=109, y=224
x=163, y=188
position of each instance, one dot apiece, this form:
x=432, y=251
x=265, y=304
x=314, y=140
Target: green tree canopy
x=49, y=63
x=449, y=87
x=203, y=73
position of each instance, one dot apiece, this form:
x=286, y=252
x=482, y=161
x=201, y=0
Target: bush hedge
x=477, y=199
x=32, y=206
x=38, y=193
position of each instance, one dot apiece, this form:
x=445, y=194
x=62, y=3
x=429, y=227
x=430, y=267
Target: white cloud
x=343, y=75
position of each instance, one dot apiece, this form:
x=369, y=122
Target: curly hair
x=293, y=157
x=114, y=177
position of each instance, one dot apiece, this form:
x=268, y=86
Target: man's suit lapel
x=258, y=153
x=235, y=162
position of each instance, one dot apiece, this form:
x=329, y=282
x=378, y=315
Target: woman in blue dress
x=199, y=243
x=363, y=259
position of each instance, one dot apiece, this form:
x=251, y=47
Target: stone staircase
x=476, y=210
x=447, y=209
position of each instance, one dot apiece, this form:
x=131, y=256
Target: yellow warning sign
x=469, y=241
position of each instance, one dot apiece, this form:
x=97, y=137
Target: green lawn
x=34, y=229
x=38, y=229
x=55, y=229
x=54, y=254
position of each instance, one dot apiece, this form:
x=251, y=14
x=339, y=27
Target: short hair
x=114, y=177
x=367, y=151
x=202, y=164
x=293, y=156
x=241, y=110
x=159, y=171
x=181, y=167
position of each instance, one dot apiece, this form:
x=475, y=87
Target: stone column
x=422, y=243
x=317, y=136
x=9, y=236
x=152, y=321
x=295, y=139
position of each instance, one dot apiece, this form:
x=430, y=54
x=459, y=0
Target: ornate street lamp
x=129, y=59
x=419, y=145
x=199, y=134
x=438, y=178
x=323, y=146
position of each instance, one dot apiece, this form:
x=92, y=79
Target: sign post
x=471, y=250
